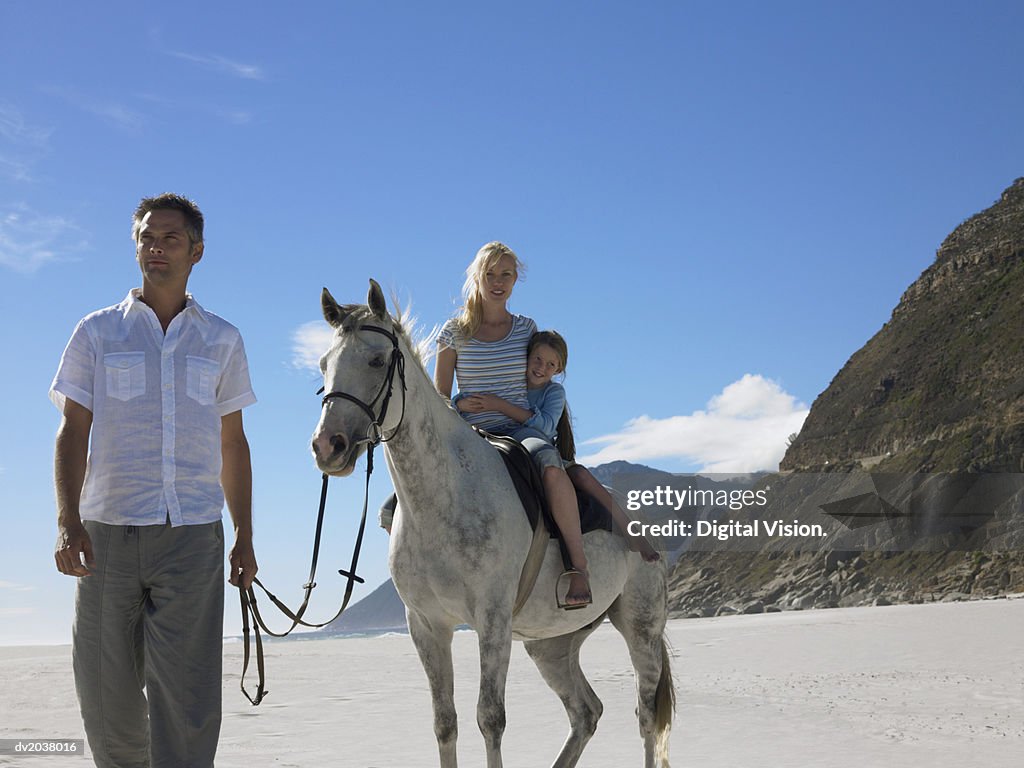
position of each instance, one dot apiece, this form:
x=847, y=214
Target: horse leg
x=434, y=646
x=639, y=614
x=558, y=659
x=495, y=642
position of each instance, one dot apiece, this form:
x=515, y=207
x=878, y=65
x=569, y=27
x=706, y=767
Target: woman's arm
x=444, y=370
x=477, y=403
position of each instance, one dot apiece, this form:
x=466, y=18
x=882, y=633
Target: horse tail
x=665, y=706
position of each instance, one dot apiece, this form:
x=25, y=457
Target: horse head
x=362, y=369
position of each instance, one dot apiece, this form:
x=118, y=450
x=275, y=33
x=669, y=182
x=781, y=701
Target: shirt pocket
x=201, y=376
x=126, y=374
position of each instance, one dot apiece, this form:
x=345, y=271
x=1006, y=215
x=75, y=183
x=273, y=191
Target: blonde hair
x=471, y=313
x=563, y=432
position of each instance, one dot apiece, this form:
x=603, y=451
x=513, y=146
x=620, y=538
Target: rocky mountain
x=909, y=470
x=380, y=610
x=941, y=386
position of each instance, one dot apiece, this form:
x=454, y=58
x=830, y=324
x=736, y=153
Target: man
x=158, y=384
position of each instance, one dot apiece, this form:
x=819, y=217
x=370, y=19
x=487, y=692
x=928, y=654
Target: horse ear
x=334, y=313
x=375, y=300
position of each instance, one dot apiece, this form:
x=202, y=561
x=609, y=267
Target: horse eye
x=377, y=362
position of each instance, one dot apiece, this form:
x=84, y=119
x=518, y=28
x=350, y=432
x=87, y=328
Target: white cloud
x=29, y=240
x=234, y=116
x=111, y=111
x=219, y=111
x=222, y=64
x=15, y=169
x=20, y=144
x=17, y=613
x=15, y=587
x=309, y=342
x=743, y=429
x=15, y=129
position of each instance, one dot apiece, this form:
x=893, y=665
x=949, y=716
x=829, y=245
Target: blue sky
x=718, y=204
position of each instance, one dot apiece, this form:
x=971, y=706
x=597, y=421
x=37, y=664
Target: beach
x=903, y=686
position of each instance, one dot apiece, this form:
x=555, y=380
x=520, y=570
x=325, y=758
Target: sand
x=927, y=685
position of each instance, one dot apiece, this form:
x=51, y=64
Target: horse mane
x=422, y=343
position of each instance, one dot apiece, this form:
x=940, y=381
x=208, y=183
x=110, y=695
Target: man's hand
x=72, y=543
x=242, y=562
x=69, y=461
x=236, y=479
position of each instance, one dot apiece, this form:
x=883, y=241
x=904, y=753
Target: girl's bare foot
x=578, y=594
x=643, y=546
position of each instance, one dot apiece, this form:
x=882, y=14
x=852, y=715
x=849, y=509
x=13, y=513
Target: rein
x=375, y=435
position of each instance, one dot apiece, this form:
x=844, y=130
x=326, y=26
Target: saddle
x=528, y=484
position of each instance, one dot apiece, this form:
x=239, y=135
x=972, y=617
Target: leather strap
x=251, y=608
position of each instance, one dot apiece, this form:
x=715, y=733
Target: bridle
x=375, y=431
x=375, y=436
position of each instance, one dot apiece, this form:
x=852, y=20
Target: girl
x=485, y=347
x=547, y=420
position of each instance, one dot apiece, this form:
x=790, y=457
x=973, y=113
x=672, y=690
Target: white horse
x=460, y=539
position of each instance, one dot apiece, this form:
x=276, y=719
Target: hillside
x=941, y=386
x=912, y=459
x=380, y=610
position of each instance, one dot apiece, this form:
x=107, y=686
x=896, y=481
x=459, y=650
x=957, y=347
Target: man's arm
x=236, y=478
x=69, y=461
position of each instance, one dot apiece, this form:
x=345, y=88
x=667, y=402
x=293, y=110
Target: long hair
x=563, y=432
x=471, y=314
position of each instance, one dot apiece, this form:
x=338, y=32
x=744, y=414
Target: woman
x=484, y=346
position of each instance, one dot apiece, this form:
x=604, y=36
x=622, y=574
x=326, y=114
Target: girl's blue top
x=547, y=404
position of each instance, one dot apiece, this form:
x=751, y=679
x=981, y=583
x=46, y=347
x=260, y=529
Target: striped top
x=491, y=367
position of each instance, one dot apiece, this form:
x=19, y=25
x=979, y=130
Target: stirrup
x=566, y=606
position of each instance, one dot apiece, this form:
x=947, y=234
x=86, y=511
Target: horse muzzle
x=335, y=454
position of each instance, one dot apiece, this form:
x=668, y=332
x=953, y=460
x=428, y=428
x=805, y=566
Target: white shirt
x=157, y=402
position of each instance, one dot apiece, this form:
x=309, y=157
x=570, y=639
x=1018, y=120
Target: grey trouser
x=151, y=614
